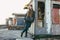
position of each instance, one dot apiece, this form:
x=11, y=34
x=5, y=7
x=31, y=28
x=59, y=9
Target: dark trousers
x=27, y=26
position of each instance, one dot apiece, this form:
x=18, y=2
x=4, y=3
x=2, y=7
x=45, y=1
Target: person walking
x=29, y=19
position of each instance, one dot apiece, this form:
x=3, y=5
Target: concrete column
x=48, y=21
x=35, y=8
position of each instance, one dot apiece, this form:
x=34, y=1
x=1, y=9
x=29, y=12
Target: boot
x=26, y=34
x=21, y=34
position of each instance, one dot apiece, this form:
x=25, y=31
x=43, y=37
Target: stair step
x=24, y=39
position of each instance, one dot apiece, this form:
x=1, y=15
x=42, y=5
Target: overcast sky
x=7, y=7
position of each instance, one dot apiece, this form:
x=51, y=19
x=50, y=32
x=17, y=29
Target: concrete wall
x=56, y=29
x=42, y=30
x=31, y=29
x=39, y=29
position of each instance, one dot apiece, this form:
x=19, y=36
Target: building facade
x=48, y=14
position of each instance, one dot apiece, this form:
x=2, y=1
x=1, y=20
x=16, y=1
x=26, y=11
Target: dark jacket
x=30, y=19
